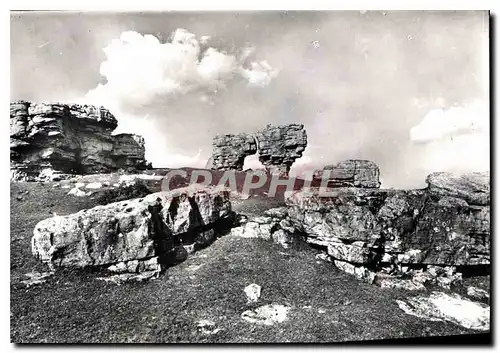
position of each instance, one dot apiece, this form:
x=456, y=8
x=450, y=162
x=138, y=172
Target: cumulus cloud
x=139, y=69
x=454, y=139
x=260, y=73
x=157, y=89
x=458, y=120
x=180, y=160
x=358, y=95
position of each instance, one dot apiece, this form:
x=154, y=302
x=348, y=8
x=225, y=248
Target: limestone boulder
x=137, y=229
x=398, y=231
x=353, y=172
x=280, y=145
x=230, y=150
x=474, y=188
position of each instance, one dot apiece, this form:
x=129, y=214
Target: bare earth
x=326, y=305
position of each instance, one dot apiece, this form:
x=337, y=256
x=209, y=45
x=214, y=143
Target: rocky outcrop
x=272, y=226
x=68, y=138
x=230, y=151
x=352, y=172
x=135, y=235
x=278, y=148
x=427, y=235
x=474, y=188
x=435, y=228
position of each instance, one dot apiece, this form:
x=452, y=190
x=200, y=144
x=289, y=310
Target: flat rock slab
x=266, y=315
x=474, y=188
x=441, y=306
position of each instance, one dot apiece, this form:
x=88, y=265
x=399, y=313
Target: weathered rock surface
x=207, y=327
x=477, y=293
x=229, y=151
x=278, y=148
x=272, y=226
x=268, y=315
x=397, y=231
x=441, y=306
x=353, y=172
x=252, y=291
x=135, y=235
x=474, y=188
x=68, y=138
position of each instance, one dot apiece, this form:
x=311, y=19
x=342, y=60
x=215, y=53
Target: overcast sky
x=408, y=90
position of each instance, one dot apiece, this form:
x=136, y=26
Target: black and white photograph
x=250, y=176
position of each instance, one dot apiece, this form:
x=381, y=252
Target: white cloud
x=260, y=73
x=139, y=69
x=204, y=39
x=454, y=139
x=142, y=75
x=441, y=123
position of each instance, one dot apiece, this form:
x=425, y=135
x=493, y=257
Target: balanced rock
x=278, y=148
x=230, y=151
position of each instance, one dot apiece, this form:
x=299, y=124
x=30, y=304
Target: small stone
x=477, y=293
x=267, y=315
x=323, y=257
x=77, y=192
x=36, y=278
x=282, y=238
x=207, y=327
x=252, y=292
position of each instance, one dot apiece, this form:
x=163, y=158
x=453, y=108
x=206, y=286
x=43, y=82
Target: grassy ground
x=326, y=305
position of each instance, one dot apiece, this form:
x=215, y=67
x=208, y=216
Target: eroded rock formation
x=69, y=139
x=230, y=151
x=137, y=235
x=395, y=238
x=277, y=146
x=280, y=146
x=353, y=172
x=427, y=235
